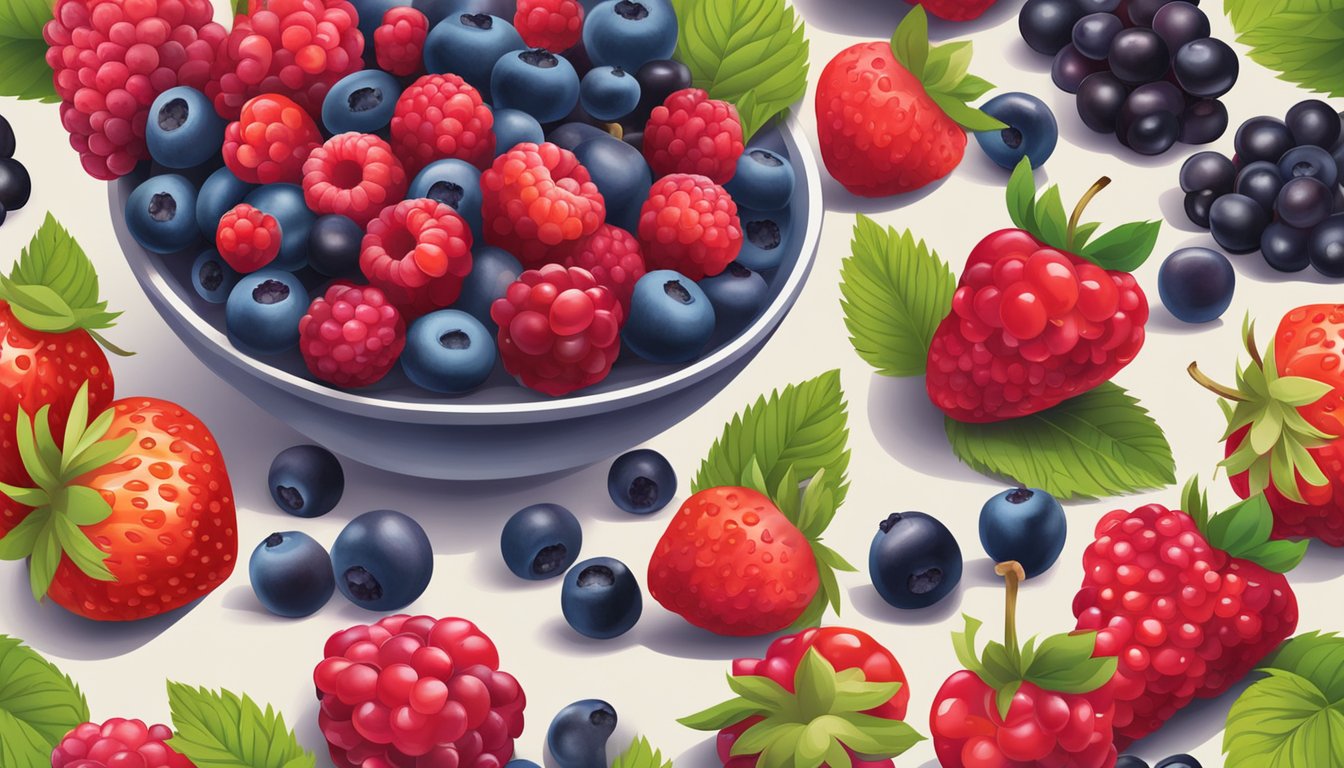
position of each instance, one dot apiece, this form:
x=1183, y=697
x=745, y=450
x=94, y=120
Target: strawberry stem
x=1077, y=215
x=1225, y=392
x=1013, y=575
x=616, y=130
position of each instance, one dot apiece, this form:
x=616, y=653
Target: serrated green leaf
x=53, y=286
x=641, y=754
x=1283, y=721
x=1305, y=47
x=38, y=705
x=1097, y=444
x=224, y=730
x=1125, y=248
x=894, y=293
x=24, y=73
x=1246, y=14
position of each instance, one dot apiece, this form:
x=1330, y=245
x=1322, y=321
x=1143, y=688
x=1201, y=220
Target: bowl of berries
x=455, y=253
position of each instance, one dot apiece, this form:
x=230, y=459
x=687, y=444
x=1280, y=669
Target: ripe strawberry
x=955, y=10
x=783, y=694
x=735, y=563
x=1042, y=313
x=892, y=116
x=132, y=518
x=1188, y=603
x=1292, y=399
x=1020, y=706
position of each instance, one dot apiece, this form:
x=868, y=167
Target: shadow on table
x=910, y=429
x=878, y=18
x=670, y=635
x=1322, y=563
x=1198, y=722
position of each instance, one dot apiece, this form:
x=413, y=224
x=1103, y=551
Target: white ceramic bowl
x=502, y=430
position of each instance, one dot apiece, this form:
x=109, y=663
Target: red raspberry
x=270, y=141
x=689, y=224
x=551, y=24
x=955, y=10
x=442, y=116
x=537, y=197
x=419, y=252
x=614, y=258
x=559, y=331
x=692, y=133
x=352, y=336
x=117, y=743
x=111, y=58
x=247, y=238
x=399, y=43
x=1185, y=618
x=355, y=175
x=415, y=691
x=295, y=47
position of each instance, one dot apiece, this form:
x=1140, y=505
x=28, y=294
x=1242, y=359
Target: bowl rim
x=187, y=319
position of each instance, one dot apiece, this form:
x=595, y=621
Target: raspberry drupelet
x=442, y=116
x=692, y=133
x=689, y=224
x=270, y=141
x=351, y=336
x=614, y=258
x=555, y=25
x=399, y=43
x=247, y=239
x=355, y=175
x=118, y=742
x=418, y=252
x=538, y=201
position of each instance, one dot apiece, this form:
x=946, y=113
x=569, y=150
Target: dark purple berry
x=1100, y=97
x=1138, y=56
x=1071, y=67
x=1203, y=121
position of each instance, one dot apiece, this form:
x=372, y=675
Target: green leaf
x=1051, y=222
x=1284, y=721
x=1247, y=14
x=21, y=540
x=239, y=7
x=894, y=293
x=803, y=428
x=963, y=644
x=1064, y=663
x=38, y=705
x=77, y=546
x=910, y=41
x=46, y=558
x=1003, y=699
x=224, y=730
x=1195, y=502
x=814, y=684
x=1099, y=443
x=53, y=286
x=760, y=690
x=722, y=715
x=24, y=73
x=1021, y=195
x=1303, y=42
x=1243, y=531
x=641, y=754
x=877, y=736
x=1125, y=248
x=943, y=70
x=745, y=48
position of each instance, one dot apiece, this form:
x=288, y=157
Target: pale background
x=664, y=669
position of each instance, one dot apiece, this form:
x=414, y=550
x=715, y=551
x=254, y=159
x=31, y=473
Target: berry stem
x=1077, y=215
x=1227, y=393
x=616, y=130
x=1013, y=575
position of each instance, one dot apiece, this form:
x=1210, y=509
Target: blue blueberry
x=514, y=127
x=537, y=82
x=738, y=295
x=1237, y=222
x=1196, y=284
x=1130, y=761
x=438, y=10
x=671, y=319
x=541, y=541
x=1023, y=524
x=578, y=735
x=362, y=102
x=1178, y=761
x=161, y=214
x=493, y=270
x=609, y=93
x=212, y=277
x=572, y=134
x=468, y=45
x=1310, y=160
x=601, y=599
x=263, y=312
x=629, y=33
x=291, y=574
x=1032, y=131
x=448, y=351
x=306, y=481
x=285, y=202
x=914, y=561
x=521, y=764
x=764, y=239
x=184, y=130
x=382, y=560
x=219, y=194
x=621, y=175
x=764, y=180
x=1285, y=248
x=456, y=184
x=333, y=245
x=641, y=482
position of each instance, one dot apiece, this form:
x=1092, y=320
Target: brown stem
x=1013, y=575
x=1227, y=393
x=1253, y=350
x=616, y=130
x=1101, y=184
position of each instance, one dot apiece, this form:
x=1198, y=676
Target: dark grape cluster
x=15, y=184
x=1280, y=193
x=1144, y=70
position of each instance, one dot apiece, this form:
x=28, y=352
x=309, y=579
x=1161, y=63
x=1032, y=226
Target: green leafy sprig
x=1302, y=40
x=944, y=71
x=24, y=73
x=1294, y=716
x=224, y=730
x=39, y=705
x=641, y=754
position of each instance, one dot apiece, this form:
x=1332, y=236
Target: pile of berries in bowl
x=457, y=227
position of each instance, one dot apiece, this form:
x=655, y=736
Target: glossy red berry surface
x=418, y=252
x=355, y=175
x=1031, y=326
x=692, y=133
x=442, y=116
x=614, y=258
x=118, y=743
x=689, y=224
x=551, y=24
x=538, y=199
x=351, y=336
x=247, y=238
x=270, y=141
x=399, y=42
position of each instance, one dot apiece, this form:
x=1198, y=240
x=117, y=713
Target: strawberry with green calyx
x=1042, y=313
x=1284, y=421
x=1020, y=706
x=892, y=115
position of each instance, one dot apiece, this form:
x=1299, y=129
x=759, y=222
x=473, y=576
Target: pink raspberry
x=442, y=116
x=559, y=331
x=538, y=199
x=399, y=43
x=296, y=47
x=689, y=224
x=416, y=691
x=247, y=238
x=351, y=336
x=111, y=58
x=551, y=24
x=355, y=175
x=692, y=133
x=418, y=252
x=614, y=258
x=118, y=742
x=270, y=141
